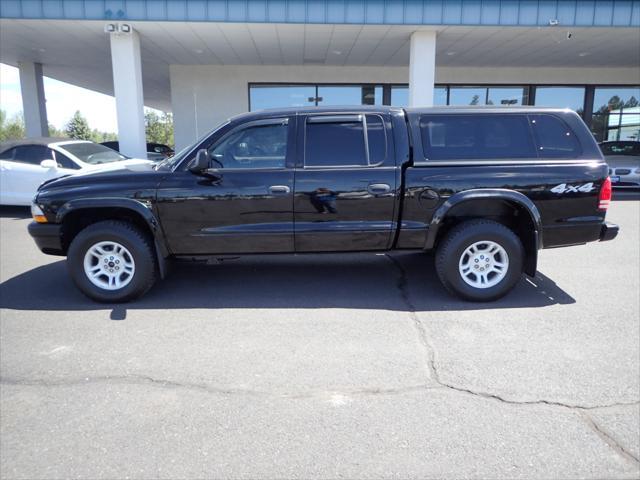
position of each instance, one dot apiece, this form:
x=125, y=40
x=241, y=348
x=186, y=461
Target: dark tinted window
x=31, y=154
x=8, y=154
x=112, y=145
x=334, y=144
x=451, y=137
x=64, y=162
x=377, y=139
x=258, y=146
x=554, y=139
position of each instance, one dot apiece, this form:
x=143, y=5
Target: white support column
x=127, y=86
x=33, y=101
x=422, y=69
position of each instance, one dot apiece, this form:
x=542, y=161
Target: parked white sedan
x=25, y=164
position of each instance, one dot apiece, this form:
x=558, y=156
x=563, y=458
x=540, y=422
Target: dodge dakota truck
x=484, y=188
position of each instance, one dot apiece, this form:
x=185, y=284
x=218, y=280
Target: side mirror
x=201, y=163
x=48, y=164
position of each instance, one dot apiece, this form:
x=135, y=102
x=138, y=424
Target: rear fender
x=510, y=196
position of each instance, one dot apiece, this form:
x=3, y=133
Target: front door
x=246, y=207
x=346, y=186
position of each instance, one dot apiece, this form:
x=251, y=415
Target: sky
x=63, y=99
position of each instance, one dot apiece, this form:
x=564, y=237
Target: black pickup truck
x=485, y=188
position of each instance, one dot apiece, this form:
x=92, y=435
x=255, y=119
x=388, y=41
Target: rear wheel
x=480, y=260
x=112, y=261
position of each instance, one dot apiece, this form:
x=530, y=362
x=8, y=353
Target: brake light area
x=604, y=199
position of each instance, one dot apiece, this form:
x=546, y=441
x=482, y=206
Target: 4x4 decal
x=566, y=188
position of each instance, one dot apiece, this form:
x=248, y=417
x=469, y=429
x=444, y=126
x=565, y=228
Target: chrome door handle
x=279, y=189
x=378, y=188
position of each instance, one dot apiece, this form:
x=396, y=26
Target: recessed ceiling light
x=583, y=54
x=198, y=51
x=451, y=53
x=336, y=52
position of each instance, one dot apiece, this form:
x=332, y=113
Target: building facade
x=208, y=60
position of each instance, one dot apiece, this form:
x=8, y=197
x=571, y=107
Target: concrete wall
x=203, y=96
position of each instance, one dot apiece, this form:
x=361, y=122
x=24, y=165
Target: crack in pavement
x=137, y=379
x=403, y=288
x=609, y=439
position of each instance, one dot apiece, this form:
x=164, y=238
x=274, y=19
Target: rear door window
x=345, y=141
x=554, y=138
x=476, y=137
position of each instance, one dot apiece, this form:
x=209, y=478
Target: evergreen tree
x=78, y=127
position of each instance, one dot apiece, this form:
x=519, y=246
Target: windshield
x=171, y=162
x=93, y=153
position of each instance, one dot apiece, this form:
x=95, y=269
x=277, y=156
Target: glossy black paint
x=345, y=208
x=301, y=209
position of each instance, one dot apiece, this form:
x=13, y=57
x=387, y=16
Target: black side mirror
x=201, y=163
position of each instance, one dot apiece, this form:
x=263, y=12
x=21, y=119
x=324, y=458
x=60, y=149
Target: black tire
x=464, y=235
x=138, y=244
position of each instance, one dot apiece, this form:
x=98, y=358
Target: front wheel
x=112, y=261
x=480, y=260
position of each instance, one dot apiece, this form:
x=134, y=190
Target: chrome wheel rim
x=483, y=264
x=109, y=265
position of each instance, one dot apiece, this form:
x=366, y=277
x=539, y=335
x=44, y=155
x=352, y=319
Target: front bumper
x=48, y=237
x=609, y=231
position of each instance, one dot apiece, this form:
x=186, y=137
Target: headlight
x=38, y=214
x=637, y=170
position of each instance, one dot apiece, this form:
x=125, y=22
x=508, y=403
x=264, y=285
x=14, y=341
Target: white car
x=25, y=164
x=623, y=158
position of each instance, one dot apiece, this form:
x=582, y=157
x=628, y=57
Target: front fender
x=140, y=207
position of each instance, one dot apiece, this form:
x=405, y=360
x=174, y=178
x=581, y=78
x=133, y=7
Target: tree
x=99, y=137
x=54, y=132
x=78, y=127
x=475, y=100
x=11, y=129
x=159, y=129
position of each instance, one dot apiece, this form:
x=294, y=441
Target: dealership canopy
x=208, y=60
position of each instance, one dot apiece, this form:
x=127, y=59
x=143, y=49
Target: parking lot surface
x=323, y=366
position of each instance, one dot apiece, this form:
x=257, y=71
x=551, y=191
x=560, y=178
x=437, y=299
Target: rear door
x=346, y=187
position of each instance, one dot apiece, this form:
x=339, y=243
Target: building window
x=561, y=97
x=282, y=96
x=616, y=113
x=400, y=95
x=501, y=96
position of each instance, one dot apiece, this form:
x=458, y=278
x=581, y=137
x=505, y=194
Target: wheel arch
x=510, y=207
x=78, y=214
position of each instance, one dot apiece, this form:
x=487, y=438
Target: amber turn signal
x=38, y=214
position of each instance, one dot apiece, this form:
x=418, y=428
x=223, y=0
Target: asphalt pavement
x=323, y=366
